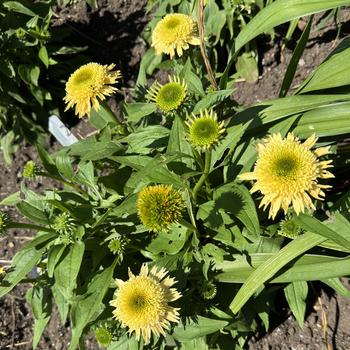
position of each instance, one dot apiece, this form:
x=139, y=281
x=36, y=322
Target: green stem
x=205, y=174
x=65, y=182
x=188, y=225
x=28, y=226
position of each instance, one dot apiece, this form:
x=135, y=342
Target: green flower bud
x=204, y=130
x=63, y=223
x=289, y=228
x=209, y=290
x=30, y=170
x=159, y=206
x=170, y=96
x=116, y=246
x=103, y=336
x=4, y=222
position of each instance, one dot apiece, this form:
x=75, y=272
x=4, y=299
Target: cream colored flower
x=174, y=33
x=287, y=172
x=89, y=85
x=142, y=302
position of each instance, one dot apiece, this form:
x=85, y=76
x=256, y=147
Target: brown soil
x=112, y=35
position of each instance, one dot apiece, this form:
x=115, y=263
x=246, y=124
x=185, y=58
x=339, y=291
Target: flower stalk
x=204, y=175
x=28, y=226
x=211, y=76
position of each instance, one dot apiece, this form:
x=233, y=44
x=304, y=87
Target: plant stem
x=65, y=182
x=204, y=174
x=185, y=223
x=28, y=226
x=211, y=76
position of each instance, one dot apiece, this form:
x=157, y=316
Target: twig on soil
x=13, y=324
x=5, y=262
x=18, y=344
x=324, y=325
x=24, y=238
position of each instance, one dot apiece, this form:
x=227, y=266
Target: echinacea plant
x=216, y=205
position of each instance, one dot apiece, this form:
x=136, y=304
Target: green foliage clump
x=219, y=263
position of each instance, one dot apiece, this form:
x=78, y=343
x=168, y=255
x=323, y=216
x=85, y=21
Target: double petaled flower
x=89, y=85
x=287, y=173
x=174, y=33
x=142, y=302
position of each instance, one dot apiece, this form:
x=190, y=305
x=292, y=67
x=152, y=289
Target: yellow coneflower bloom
x=175, y=32
x=159, y=206
x=287, y=172
x=170, y=96
x=142, y=302
x=204, y=130
x=89, y=85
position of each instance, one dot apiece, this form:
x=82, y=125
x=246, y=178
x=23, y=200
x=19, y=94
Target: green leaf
x=236, y=200
x=144, y=140
x=194, y=84
x=61, y=302
x=90, y=149
x=87, y=307
x=281, y=11
x=247, y=67
x=326, y=121
x=101, y=117
x=290, y=105
x=296, y=294
x=169, y=242
x=313, y=225
x=198, y=328
x=24, y=261
x=39, y=297
x=148, y=63
x=270, y=267
x=137, y=110
x=293, y=64
x=178, y=142
x=16, y=6
x=29, y=73
x=44, y=57
x=333, y=72
x=306, y=268
x=7, y=146
x=338, y=286
x=66, y=271
x=32, y=213
x=12, y=199
x=212, y=99
x=53, y=257
x=64, y=166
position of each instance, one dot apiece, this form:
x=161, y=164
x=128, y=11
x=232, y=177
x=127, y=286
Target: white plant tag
x=62, y=134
